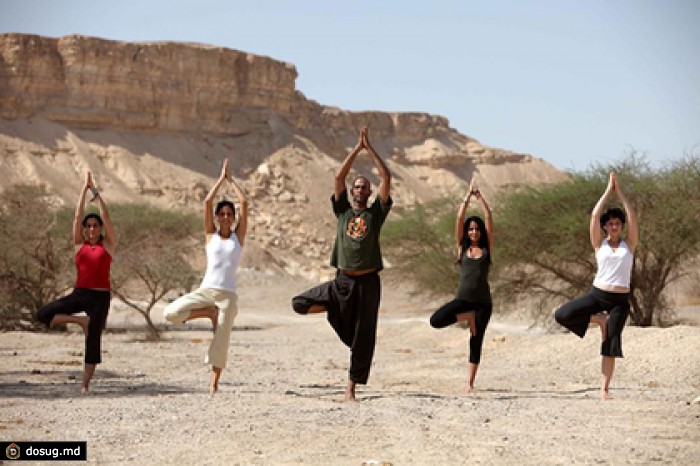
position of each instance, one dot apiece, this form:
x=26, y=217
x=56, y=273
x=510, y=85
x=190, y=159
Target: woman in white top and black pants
x=216, y=297
x=607, y=304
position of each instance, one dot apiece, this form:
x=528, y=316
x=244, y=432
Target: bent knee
x=174, y=315
x=437, y=323
x=560, y=316
x=44, y=316
x=300, y=305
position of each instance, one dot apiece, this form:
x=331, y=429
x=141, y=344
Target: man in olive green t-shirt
x=351, y=300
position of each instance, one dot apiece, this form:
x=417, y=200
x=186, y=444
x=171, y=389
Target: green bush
x=35, y=253
x=542, y=240
x=37, y=262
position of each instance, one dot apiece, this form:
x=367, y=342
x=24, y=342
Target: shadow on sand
x=321, y=391
x=60, y=384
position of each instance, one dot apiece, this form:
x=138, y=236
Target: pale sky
x=572, y=82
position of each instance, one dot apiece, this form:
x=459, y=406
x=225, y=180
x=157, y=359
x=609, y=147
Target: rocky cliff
x=154, y=120
x=95, y=83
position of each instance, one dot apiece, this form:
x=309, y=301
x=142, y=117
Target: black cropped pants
x=95, y=303
x=576, y=315
x=352, y=308
x=447, y=315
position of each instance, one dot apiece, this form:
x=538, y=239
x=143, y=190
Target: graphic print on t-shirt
x=357, y=228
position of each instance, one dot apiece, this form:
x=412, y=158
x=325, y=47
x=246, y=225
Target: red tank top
x=93, y=263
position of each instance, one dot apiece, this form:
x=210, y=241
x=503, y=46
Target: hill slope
x=153, y=121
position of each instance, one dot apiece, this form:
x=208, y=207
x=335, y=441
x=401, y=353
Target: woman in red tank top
x=95, y=243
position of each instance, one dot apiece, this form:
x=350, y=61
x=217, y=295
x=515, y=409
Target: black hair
x=96, y=217
x=92, y=215
x=221, y=204
x=614, y=212
x=483, y=238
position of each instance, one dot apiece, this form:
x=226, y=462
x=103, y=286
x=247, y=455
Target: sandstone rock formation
x=94, y=83
x=154, y=120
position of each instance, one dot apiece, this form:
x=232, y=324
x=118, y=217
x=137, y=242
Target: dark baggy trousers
x=95, y=303
x=447, y=315
x=576, y=315
x=352, y=306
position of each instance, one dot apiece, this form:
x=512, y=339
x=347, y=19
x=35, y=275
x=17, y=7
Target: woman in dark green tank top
x=473, y=276
x=472, y=302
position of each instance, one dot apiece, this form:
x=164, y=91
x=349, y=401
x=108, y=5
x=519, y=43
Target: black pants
x=352, y=305
x=95, y=303
x=447, y=315
x=576, y=315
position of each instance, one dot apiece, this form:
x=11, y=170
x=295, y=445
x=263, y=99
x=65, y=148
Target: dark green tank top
x=474, y=279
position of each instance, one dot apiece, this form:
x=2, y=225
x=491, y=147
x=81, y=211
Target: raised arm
x=384, y=175
x=209, y=226
x=595, y=232
x=78, y=238
x=242, y=227
x=632, y=237
x=344, y=169
x=110, y=238
x=488, y=219
x=461, y=215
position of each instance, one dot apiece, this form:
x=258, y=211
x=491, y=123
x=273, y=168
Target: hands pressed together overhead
x=473, y=190
x=363, y=140
x=225, y=175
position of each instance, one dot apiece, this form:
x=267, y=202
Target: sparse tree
x=543, y=248
x=543, y=234
x=153, y=259
x=35, y=253
x=420, y=245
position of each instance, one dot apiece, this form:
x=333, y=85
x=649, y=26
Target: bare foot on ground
x=350, y=392
x=214, y=382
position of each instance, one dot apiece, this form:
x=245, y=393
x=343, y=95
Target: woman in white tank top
x=216, y=297
x=607, y=303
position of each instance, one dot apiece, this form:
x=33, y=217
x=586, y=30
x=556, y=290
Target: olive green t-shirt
x=357, y=238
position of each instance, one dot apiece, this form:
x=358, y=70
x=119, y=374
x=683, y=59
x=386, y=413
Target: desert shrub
x=542, y=246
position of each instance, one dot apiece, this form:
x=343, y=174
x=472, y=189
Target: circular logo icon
x=12, y=451
x=357, y=228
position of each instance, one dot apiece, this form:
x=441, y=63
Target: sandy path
x=280, y=399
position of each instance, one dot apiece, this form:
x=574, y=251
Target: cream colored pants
x=227, y=304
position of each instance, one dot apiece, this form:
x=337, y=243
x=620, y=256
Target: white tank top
x=223, y=256
x=614, y=267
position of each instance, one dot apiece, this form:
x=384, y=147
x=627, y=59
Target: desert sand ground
x=280, y=401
